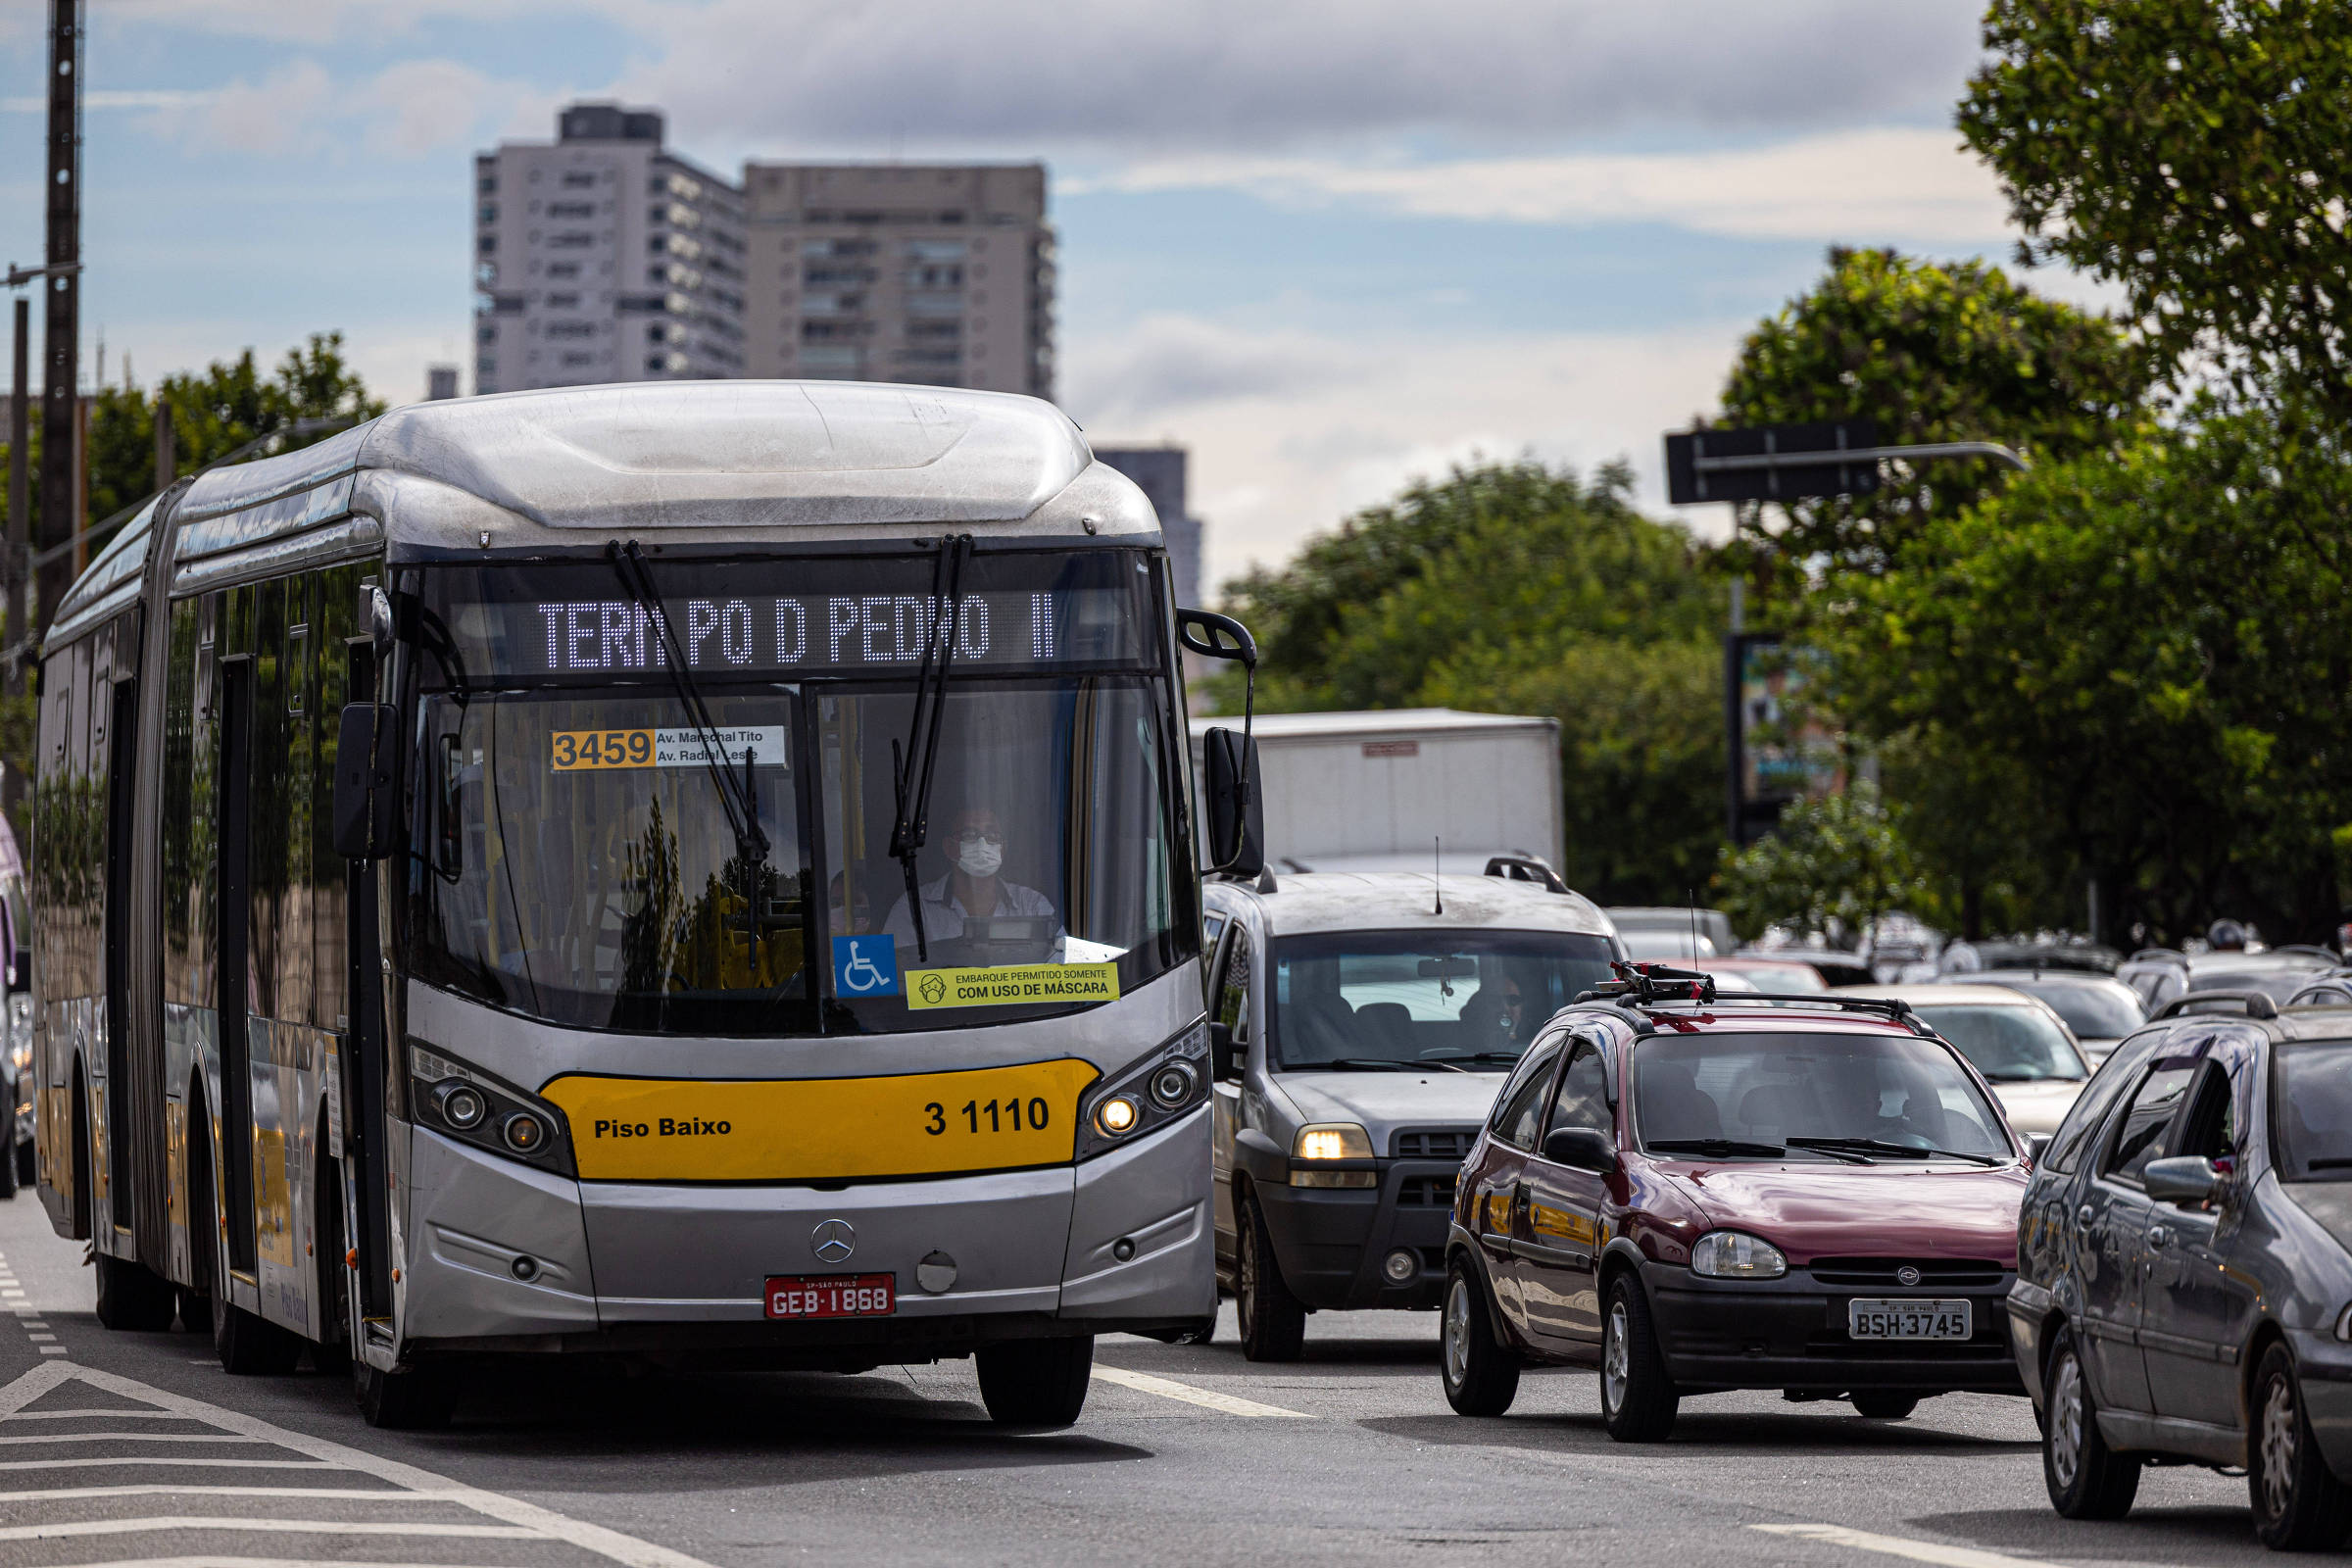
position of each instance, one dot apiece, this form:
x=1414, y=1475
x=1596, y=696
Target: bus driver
x=971, y=888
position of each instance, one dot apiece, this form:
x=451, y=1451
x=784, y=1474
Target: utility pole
x=61, y=341
x=18, y=562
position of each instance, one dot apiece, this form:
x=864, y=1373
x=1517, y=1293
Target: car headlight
x=478, y=1110
x=1331, y=1141
x=1737, y=1255
x=1167, y=1085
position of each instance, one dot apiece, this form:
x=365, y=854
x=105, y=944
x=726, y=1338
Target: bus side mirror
x=1237, y=832
x=1224, y=1061
x=367, y=781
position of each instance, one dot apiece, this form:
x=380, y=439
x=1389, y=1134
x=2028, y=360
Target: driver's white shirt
x=944, y=913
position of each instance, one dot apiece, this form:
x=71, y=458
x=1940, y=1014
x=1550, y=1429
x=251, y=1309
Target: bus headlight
x=462, y=1102
x=1169, y=1084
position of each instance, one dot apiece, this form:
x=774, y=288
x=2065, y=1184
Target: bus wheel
x=414, y=1401
x=132, y=1299
x=250, y=1346
x=12, y=1173
x=28, y=1168
x=1035, y=1383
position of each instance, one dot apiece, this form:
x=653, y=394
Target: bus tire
x=132, y=1299
x=1035, y=1383
x=28, y=1169
x=1273, y=1320
x=417, y=1399
x=12, y=1169
x=249, y=1345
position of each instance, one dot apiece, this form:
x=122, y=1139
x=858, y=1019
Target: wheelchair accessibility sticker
x=866, y=966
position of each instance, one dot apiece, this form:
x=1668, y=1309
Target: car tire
x=1480, y=1374
x=249, y=1345
x=132, y=1299
x=1035, y=1383
x=1638, y=1399
x=2299, y=1506
x=1885, y=1404
x=2085, y=1478
x=1273, y=1320
x=419, y=1399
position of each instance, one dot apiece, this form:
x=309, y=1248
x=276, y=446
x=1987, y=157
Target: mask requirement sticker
x=1012, y=985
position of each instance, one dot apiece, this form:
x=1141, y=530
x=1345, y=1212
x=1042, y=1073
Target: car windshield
x=1377, y=998
x=2312, y=1089
x=1760, y=1093
x=2099, y=1011
x=591, y=856
x=2007, y=1044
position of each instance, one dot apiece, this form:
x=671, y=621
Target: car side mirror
x=1224, y=1056
x=367, y=781
x=1581, y=1149
x=2182, y=1178
x=1237, y=833
x=2037, y=1145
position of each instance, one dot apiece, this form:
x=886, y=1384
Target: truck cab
x=1360, y=1026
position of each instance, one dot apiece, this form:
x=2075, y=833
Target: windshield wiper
x=734, y=795
x=1715, y=1146
x=1474, y=1056
x=914, y=822
x=1880, y=1145
x=1365, y=1064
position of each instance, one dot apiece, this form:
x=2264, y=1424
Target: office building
x=933, y=273
x=600, y=257
x=1159, y=472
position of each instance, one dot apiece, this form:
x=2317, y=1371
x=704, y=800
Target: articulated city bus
x=696, y=871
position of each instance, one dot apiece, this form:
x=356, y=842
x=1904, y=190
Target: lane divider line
x=1904, y=1547
x=227, y=1560
x=282, y=1527
x=1170, y=1388
x=168, y=1489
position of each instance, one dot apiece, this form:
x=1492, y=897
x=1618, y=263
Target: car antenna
x=1437, y=870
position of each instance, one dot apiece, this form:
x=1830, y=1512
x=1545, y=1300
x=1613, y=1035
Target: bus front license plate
x=832, y=1295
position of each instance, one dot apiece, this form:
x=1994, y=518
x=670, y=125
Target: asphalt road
x=123, y=1449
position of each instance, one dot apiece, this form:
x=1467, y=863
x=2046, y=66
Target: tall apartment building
x=933, y=273
x=600, y=257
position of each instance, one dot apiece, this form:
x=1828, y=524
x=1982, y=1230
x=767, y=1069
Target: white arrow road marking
x=1170, y=1388
x=1899, y=1546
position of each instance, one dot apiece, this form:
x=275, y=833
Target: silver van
x=1360, y=1027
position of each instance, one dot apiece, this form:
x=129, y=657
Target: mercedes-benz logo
x=1906, y=1275
x=833, y=1240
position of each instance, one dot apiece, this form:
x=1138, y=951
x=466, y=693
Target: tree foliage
x=2199, y=154
x=1510, y=587
x=1833, y=867
x=1934, y=352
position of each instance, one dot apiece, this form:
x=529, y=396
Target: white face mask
x=977, y=857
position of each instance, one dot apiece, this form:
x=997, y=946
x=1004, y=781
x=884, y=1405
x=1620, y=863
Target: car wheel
x=1883, y=1404
x=1638, y=1399
x=1480, y=1373
x=419, y=1399
x=1035, y=1383
x=2086, y=1480
x=1273, y=1320
x=2298, y=1503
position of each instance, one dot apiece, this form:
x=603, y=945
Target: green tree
x=1833, y=866
x=2152, y=648
x=2199, y=153
x=1934, y=352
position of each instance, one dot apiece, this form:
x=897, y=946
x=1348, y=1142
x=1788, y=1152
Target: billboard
x=1784, y=745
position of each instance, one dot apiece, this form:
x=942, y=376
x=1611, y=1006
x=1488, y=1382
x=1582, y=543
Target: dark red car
x=1696, y=1193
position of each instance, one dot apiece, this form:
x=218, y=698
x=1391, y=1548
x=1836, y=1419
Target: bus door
x=235, y=958
x=366, y=1148
x=122, y=1162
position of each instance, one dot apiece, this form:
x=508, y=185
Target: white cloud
x=1915, y=186
x=1291, y=434
x=421, y=106
x=270, y=115
x=319, y=21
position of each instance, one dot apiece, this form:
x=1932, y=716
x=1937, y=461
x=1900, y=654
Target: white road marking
x=168, y=1489
x=210, y=1561
x=53, y=1349
x=1899, y=1546
x=1170, y=1388
x=167, y=1461
x=603, y=1543
x=283, y=1527
x=132, y=1436
x=93, y=1415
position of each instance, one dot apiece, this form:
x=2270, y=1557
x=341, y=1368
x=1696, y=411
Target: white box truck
x=1381, y=790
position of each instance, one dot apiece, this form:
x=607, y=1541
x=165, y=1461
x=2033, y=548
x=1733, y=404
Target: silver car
x=1361, y=1026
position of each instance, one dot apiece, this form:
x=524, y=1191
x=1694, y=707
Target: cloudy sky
x=1326, y=244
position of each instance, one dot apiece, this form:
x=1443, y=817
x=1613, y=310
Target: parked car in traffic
x=2186, y=1266
x=1766, y=974
x=2098, y=1011
x=1695, y=1191
x=2016, y=1040
x=1360, y=1027
x=1662, y=931
x=2161, y=975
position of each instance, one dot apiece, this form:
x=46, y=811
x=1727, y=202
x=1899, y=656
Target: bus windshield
x=585, y=852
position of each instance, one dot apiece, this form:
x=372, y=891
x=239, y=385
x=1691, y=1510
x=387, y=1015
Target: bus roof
x=697, y=461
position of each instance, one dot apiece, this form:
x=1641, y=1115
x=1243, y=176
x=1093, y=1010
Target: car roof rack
x=1641, y=985
x=1524, y=868
x=2258, y=1004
